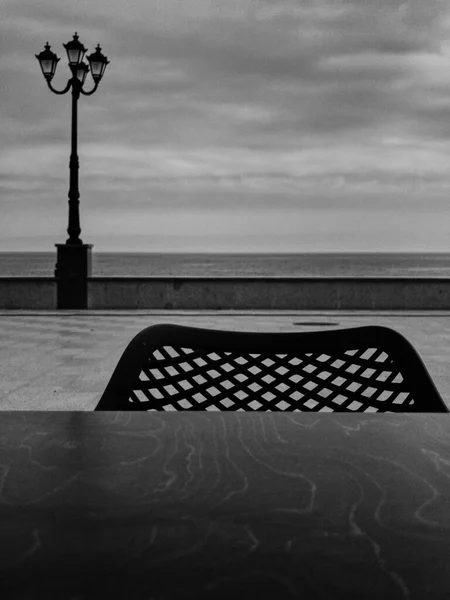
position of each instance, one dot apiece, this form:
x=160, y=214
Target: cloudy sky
x=231, y=125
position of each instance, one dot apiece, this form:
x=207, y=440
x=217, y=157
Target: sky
x=231, y=126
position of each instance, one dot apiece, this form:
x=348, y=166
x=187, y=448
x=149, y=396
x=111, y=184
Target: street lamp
x=73, y=256
x=48, y=61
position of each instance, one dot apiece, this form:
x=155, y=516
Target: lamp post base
x=73, y=267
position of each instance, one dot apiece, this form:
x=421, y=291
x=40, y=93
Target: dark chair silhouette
x=361, y=369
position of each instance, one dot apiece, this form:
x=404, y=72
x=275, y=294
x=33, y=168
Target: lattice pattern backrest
x=363, y=380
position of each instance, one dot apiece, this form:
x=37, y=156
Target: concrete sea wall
x=276, y=293
x=28, y=293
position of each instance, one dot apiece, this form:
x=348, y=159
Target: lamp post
x=73, y=257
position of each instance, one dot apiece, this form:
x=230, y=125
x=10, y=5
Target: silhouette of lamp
x=49, y=61
x=72, y=263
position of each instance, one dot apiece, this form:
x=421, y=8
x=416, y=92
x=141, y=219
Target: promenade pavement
x=63, y=360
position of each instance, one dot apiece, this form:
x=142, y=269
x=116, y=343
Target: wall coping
x=210, y=278
x=30, y=279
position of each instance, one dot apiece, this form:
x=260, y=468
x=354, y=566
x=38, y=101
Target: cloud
x=223, y=105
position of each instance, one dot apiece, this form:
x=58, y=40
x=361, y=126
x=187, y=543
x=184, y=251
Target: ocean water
x=42, y=264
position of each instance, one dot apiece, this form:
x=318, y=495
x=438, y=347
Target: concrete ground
x=63, y=360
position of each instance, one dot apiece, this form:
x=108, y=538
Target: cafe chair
x=360, y=369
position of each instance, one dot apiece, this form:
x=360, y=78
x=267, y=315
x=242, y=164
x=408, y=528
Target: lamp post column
x=73, y=259
x=74, y=228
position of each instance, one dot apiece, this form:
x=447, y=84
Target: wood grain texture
x=218, y=505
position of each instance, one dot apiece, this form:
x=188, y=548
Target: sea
x=140, y=264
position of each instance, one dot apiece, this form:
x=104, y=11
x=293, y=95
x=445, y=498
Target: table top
x=212, y=505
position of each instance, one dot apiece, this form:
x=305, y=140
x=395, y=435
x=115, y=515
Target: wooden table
x=224, y=505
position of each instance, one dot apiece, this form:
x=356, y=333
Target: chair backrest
x=361, y=369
